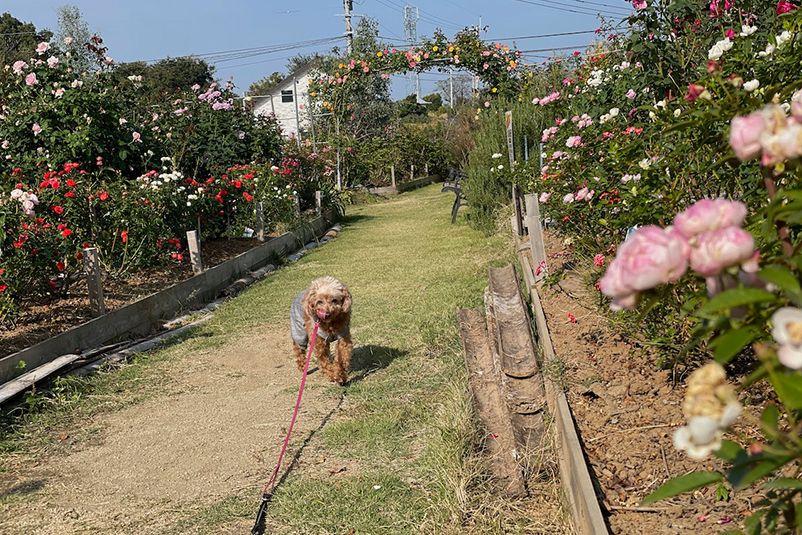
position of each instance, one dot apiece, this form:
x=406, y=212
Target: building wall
x=285, y=111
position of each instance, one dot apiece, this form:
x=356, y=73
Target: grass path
x=180, y=440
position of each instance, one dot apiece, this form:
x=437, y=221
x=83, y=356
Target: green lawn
x=406, y=428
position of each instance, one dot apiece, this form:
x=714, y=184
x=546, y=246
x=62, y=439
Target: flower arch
x=495, y=64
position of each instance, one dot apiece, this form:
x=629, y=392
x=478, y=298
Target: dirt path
x=209, y=438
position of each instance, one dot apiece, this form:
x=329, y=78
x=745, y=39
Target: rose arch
x=495, y=64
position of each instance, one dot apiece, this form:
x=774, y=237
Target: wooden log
x=94, y=280
x=536, y=243
x=483, y=381
x=193, y=242
x=261, y=234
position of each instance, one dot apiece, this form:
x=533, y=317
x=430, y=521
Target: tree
x=462, y=88
x=167, y=76
x=265, y=84
x=18, y=39
x=409, y=108
x=435, y=102
x=74, y=34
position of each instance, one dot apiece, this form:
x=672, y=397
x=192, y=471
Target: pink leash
x=267, y=490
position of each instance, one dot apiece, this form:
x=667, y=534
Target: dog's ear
x=309, y=301
x=346, y=300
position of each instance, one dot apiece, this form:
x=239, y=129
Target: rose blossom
x=42, y=47
x=598, y=260
x=573, y=141
x=745, y=132
x=652, y=256
x=719, y=249
x=137, y=137
x=569, y=198
x=31, y=79
x=783, y=6
x=19, y=66
x=544, y=197
x=36, y=129
x=582, y=194
x=787, y=331
x=709, y=214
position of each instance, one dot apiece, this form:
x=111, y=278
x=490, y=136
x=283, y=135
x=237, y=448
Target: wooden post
x=412, y=172
x=517, y=218
x=536, y=243
x=319, y=203
x=426, y=169
x=94, y=280
x=297, y=202
x=260, y=221
x=392, y=174
x=193, y=241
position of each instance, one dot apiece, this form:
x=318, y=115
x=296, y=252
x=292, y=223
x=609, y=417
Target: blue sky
x=152, y=29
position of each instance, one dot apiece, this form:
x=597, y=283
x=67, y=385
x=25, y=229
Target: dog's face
x=327, y=298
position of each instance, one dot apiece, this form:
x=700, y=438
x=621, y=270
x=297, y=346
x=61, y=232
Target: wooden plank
x=94, y=280
x=12, y=388
x=574, y=474
x=484, y=385
x=536, y=243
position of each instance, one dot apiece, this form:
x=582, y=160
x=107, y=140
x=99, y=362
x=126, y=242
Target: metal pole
x=297, y=116
x=451, y=87
x=526, y=149
x=337, y=133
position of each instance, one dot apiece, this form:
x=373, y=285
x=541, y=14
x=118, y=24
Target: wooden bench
x=454, y=183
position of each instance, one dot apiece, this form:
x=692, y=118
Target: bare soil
x=46, y=317
x=214, y=433
x=626, y=409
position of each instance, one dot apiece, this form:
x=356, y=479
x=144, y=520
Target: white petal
x=790, y=356
x=703, y=429
x=731, y=413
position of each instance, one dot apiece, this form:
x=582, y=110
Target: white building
x=288, y=100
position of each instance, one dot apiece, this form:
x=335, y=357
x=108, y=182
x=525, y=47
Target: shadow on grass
x=27, y=487
x=355, y=218
x=371, y=358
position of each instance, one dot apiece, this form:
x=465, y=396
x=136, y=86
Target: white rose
x=751, y=85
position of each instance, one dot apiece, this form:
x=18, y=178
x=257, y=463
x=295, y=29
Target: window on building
x=286, y=95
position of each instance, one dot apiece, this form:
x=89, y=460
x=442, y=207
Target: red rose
x=58, y=210
x=66, y=233
x=248, y=197
x=124, y=236
x=783, y=6
x=70, y=194
x=3, y=288
x=103, y=196
x=60, y=265
x=238, y=184
x=71, y=183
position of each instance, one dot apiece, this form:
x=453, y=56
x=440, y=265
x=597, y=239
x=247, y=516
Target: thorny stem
x=782, y=230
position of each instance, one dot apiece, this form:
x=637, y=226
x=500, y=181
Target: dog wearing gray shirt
x=328, y=302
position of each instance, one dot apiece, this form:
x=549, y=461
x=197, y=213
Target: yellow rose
x=435, y=48
x=379, y=53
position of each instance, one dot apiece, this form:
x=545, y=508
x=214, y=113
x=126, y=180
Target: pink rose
x=573, y=141
x=639, y=4
x=719, y=249
x=582, y=194
x=544, y=197
x=709, y=214
x=783, y=6
x=631, y=94
x=569, y=198
x=136, y=137
x=31, y=80
x=784, y=144
x=36, y=129
x=652, y=256
x=745, y=132
x=42, y=47
x=19, y=66
x=598, y=260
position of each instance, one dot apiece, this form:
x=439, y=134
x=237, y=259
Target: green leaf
x=781, y=277
x=735, y=298
x=752, y=524
x=746, y=473
x=788, y=387
x=729, y=344
x=729, y=451
x=681, y=484
x=768, y=421
x=784, y=483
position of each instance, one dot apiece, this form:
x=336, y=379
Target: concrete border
x=143, y=316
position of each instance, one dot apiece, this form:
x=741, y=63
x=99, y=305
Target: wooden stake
x=195, y=251
x=319, y=203
x=517, y=220
x=392, y=175
x=94, y=280
x=536, y=243
x=297, y=202
x=260, y=221
x=412, y=172
x=426, y=169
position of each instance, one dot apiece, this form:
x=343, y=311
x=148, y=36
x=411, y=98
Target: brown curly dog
x=328, y=301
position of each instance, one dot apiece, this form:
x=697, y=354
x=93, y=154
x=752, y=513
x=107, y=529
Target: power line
x=557, y=5
x=612, y=6
x=540, y=36
x=239, y=53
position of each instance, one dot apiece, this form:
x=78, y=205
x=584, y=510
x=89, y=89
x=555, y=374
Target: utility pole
x=348, y=6
x=411, y=16
x=297, y=115
x=451, y=88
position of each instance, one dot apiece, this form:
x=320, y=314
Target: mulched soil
x=47, y=317
x=626, y=409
